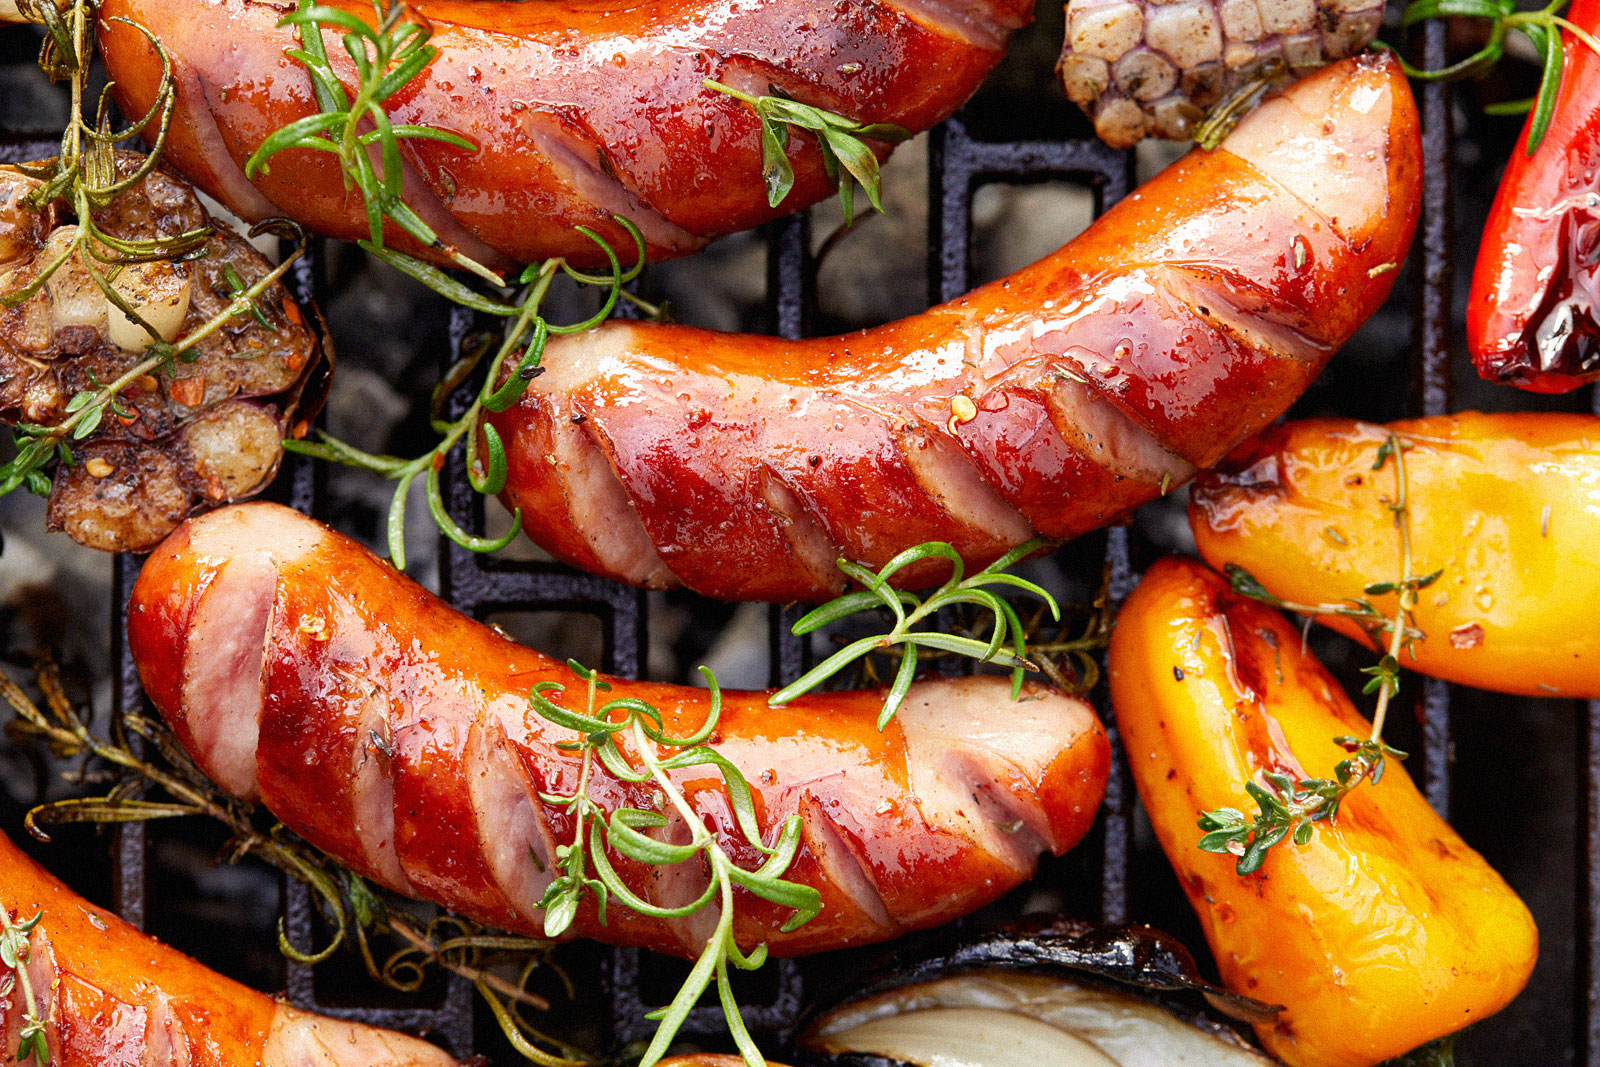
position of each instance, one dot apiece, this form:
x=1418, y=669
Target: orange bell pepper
x=1381, y=932
x=1504, y=504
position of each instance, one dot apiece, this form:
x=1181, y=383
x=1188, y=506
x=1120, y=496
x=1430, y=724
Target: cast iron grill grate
x=1117, y=869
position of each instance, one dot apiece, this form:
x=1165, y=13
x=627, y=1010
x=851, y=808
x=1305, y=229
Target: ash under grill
x=1520, y=778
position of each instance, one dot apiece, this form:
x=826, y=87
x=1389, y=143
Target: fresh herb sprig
x=1290, y=809
x=32, y=1040
x=120, y=765
x=909, y=610
x=587, y=869
x=846, y=158
x=387, y=56
x=522, y=344
x=1541, y=26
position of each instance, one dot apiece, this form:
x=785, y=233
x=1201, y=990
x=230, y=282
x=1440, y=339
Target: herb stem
x=32, y=1040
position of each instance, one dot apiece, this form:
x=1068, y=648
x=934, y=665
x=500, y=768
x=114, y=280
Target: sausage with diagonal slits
x=396, y=734
x=1051, y=402
x=111, y=996
x=581, y=109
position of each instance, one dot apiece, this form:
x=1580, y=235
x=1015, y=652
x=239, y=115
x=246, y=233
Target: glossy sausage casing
x=114, y=997
x=1050, y=402
x=396, y=734
x=581, y=109
x=1381, y=933
x=1501, y=504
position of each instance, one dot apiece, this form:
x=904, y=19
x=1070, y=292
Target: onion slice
x=1016, y=1019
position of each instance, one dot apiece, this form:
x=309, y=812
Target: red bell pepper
x=1531, y=314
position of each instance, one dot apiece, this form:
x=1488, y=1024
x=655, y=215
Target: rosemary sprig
x=589, y=869
x=909, y=610
x=357, y=914
x=524, y=340
x=842, y=142
x=1290, y=808
x=1541, y=26
x=387, y=56
x=32, y=1042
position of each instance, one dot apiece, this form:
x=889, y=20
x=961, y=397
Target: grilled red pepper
x=1531, y=315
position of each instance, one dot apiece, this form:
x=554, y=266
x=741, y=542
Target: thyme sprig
x=587, y=869
x=909, y=610
x=1541, y=26
x=32, y=1040
x=522, y=344
x=357, y=914
x=846, y=158
x=1288, y=808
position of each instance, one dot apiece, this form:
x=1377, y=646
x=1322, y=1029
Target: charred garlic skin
x=1152, y=68
x=196, y=434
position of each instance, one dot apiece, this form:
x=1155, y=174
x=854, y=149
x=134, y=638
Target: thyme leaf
x=587, y=869
x=846, y=157
x=1289, y=809
x=909, y=610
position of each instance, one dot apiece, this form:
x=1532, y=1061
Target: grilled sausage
x=112, y=996
x=580, y=110
x=1051, y=402
x=396, y=734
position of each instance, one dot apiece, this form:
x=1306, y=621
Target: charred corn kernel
x=1382, y=932
x=1143, y=68
x=1500, y=504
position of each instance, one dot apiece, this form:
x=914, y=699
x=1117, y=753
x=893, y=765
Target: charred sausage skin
x=582, y=109
x=1050, y=402
x=112, y=996
x=396, y=734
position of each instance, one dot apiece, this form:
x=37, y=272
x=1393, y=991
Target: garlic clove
x=75, y=300
x=158, y=293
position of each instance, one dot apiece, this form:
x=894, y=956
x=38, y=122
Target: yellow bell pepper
x=1382, y=932
x=1507, y=505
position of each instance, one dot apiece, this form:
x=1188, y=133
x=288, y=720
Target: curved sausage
x=581, y=109
x=396, y=734
x=112, y=996
x=1050, y=402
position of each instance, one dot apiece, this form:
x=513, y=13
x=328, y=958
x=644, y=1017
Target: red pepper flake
x=190, y=392
x=1467, y=635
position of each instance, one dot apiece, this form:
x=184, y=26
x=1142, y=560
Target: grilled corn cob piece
x=1143, y=68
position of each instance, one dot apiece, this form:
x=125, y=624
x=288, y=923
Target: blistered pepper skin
x=1502, y=503
x=1382, y=933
